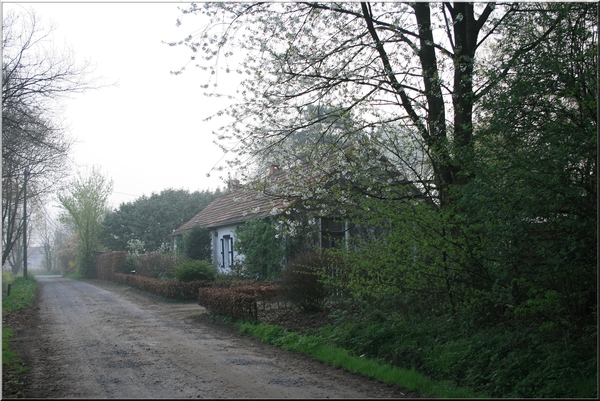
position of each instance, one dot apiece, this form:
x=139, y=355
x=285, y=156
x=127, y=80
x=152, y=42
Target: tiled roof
x=233, y=207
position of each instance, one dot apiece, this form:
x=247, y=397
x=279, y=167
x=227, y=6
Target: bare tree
x=35, y=77
x=52, y=235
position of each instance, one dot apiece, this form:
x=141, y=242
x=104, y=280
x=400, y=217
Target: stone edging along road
x=95, y=339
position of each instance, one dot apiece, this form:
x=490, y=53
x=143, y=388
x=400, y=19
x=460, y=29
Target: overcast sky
x=147, y=131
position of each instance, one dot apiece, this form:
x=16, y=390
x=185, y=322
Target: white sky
x=147, y=132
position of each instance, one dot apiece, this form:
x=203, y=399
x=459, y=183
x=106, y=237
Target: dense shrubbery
x=301, y=281
x=196, y=244
x=110, y=263
x=156, y=264
x=194, y=270
x=501, y=361
x=263, y=252
x=67, y=255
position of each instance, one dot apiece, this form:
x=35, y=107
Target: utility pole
x=25, y=174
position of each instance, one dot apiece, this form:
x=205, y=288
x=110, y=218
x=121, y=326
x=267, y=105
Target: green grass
x=74, y=276
x=23, y=292
x=10, y=357
x=315, y=347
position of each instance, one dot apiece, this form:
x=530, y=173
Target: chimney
x=274, y=169
x=233, y=183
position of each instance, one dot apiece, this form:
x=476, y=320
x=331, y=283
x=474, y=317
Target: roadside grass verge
x=10, y=357
x=74, y=276
x=48, y=273
x=317, y=348
x=23, y=292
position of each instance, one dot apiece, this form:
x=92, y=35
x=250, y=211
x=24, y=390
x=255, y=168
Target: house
x=240, y=204
x=224, y=214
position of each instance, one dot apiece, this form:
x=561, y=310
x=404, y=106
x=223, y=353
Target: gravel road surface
x=95, y=339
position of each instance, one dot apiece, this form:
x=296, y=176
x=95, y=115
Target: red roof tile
x=233, y=207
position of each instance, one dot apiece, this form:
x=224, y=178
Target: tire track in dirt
x=102, y=340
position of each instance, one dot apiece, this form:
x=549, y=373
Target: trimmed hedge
x=109, y=263
x=186, y=291
x=237, y=301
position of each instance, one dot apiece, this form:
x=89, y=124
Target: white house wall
x=217, y=234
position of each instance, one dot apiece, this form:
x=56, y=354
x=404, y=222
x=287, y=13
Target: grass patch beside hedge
x=317, y=348
x=23, y=292
x=440, y=357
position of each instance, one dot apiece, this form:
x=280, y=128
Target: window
x=227, y=251
x=333, y=233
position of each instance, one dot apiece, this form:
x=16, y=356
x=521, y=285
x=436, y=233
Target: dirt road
x=101, y=340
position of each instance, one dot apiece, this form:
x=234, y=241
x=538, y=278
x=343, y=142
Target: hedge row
x=186, y=291
x=237, y=301
x=234, y=298
x=108, y=263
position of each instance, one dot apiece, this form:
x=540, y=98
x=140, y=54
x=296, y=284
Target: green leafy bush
x=263, y=251
x=196, y=244
x=129, y=265
x=156, y=264
x=195, y=270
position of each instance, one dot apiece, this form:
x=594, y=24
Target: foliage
x=499, y=361
x=237, y=271
x=151, y=219
x=85, y=201
x=538, y=171
x=394, y=79
x=153, y=264
x=195, y=270
x=196, y=244
x=67, y=255
x=130, y=264
x=135, y=247
x=318, y=348
x=263, y=251
x=301, y=281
